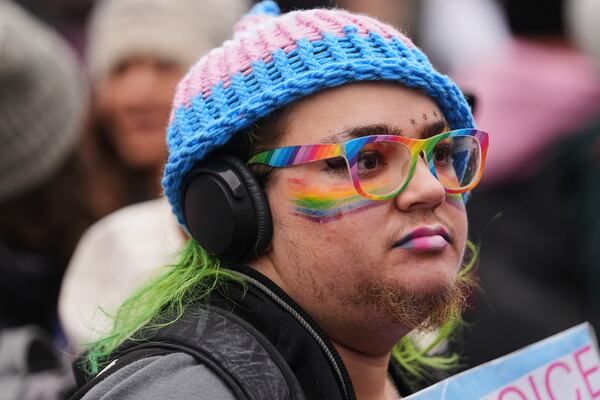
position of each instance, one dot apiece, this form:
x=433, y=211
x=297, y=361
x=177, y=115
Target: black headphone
x=226, y=210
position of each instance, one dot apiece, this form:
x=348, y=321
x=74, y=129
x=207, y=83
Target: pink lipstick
x=425, y=238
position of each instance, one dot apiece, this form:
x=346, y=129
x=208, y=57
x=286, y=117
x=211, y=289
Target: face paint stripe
x=332, y=211
x=335, y=191
x=321, y=202
x=455, y=200
x=338, y=215
x=339, y=192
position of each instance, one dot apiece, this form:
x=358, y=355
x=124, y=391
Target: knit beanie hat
x=41, y=101
x=274, y=60
x=177, y=31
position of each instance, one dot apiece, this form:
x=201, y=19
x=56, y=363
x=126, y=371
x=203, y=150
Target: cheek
x=301, y=207
x=111, y=103
x=455, y=214
x=103, y=97
x=168, y=83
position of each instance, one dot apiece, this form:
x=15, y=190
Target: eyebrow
x=425, y=131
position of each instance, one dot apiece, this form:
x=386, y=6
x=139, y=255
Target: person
x=319, y=163
x=445, y=31
x=42, y=209
x=136, y=53
x=136, y=75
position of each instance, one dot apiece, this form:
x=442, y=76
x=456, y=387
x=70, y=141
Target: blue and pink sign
x=562, y=367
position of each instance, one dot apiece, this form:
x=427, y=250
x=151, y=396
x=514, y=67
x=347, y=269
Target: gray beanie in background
x=42, y=96
x=177, y=31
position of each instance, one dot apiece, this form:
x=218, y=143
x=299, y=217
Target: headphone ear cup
x=226, y=210
x=262, y=211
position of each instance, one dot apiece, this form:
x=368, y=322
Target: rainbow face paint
x=326, y=203
x=455, y=200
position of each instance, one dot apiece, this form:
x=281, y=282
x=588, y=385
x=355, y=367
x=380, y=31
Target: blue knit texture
x=210, y=122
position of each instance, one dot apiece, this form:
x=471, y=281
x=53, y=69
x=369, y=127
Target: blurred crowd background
x=85, y=94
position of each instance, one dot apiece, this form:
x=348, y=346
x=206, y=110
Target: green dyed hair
x=418, y=360
x=194, y=277
x=191, y=279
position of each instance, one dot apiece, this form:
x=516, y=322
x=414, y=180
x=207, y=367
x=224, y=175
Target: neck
x=369, y=374
x=368, y=368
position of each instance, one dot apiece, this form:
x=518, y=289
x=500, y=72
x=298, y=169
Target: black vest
x=258, y=341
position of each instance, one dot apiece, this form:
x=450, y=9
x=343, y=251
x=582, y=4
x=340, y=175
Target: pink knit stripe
x=249, y=21
x=250, y=45
x=179, y=97
x=326, y=22
x=366, y=25
x=297, y=30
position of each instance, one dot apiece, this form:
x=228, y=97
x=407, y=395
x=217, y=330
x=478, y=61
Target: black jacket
x=259, y=342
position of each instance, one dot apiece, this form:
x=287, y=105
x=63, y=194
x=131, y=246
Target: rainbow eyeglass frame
x=349, y=150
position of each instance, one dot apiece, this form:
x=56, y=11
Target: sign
x=562, y=367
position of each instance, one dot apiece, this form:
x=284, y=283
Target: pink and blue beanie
x=274, y=60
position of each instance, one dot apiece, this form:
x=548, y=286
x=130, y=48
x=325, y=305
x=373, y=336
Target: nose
x=140, y=81
x=423, y=191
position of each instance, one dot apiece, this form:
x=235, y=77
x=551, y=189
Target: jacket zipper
x=304, y=324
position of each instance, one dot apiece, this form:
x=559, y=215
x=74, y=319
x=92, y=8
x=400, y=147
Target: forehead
x=328, y=115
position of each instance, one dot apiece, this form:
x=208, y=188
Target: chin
x=427, y=276
x=424, y=303
x=433, y=283
x=141, y=157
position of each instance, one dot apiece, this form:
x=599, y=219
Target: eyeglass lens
x=383, y=167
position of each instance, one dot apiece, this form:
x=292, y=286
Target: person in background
x=446, y=31
x=43, y=210
x=533, y=93
x=138, y=51
x=319, y=162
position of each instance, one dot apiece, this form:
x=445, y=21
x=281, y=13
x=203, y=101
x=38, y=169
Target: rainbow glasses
x=382, y=165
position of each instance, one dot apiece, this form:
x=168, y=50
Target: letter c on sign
x=553, y=366
x=511, y=389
